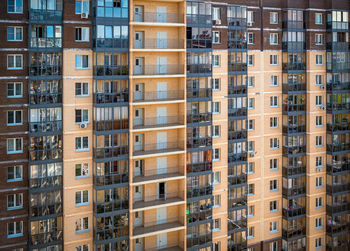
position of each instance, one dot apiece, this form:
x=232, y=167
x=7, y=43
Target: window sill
x=273, y=231
x=82, y=231
x=273, y=211
x=14, y=40
x=17, y=124
x=250, y=172
x=320, y=227
x=250, y=237
x=14, y=236
x=17, y=152
x=14, y=69
x=216, y=230
x=82, y=150
x=81, y=177
x=319, y=187
x=14, y=208
x=274, y=190
x=14, y=180
x=250, y=216
x=216, y=159
x=82, y=204
x=320, y=207
x=82, y=96
x=273, y=169
x=319, y=125
x=250, y=194
x=318, y=248
x=14, y=96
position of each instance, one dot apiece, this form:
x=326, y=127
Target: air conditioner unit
x=322, y=107
x=250, y=23
x=217, y=22
x=322, y=87
x=252, y=155
x=84, y=15
x=83, y=125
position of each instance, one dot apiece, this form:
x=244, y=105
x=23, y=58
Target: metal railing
x=294, y=107
x=199, y=93
x=293, y=232
x=337, y=188
x=233, y=21
x=167, y=69
x=158, y=43
x=43, y=238
x=155, y=17
x=110, y=152
x=338, y=107
x=45, y=70
x=110, y=179
x=293, y=212
x=158, y=95
x=111, y=206
x=199, y=141
x=199, y=191
x=293, y=128
x=45, y=98
x=114, y=97
x=199, y=167
x=147, y=224
x=199, y=68
x=199, y=118
x=236, y=134
x=158, y=121
x=111, y=70
x=289, y=66
x=117, y=43
x=338, y=86
x=45, y=126
x=293, y=149
x=199, y=19
x=293, y=87
x=45, y=182
x=293, y=191
x=45, y=42
x=45, y=15
x=293, y=170
x=338, y=147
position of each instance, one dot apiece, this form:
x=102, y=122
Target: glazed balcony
x=167, y=69
x=338, y=208
x=341, y=246
x=293, y=108
x=158, y=200
x=199, y=19
x=237, y=225
x=161, y=18
x=200, y=239
x=205, y=69
x=338, y=86
x=338, y=227
x=292, y=24
x=237, y=44
x=111, y=97
x=338, y=167
x=45, y=210
x=110, y=152
x=293, y=87
x=45, y=98
x=337, y=66
x=336, y=25
x=199, y=191
x=107, y=233
x=237, y=134
x=160, y=44
x=237, y=112
x=290, y=66
x=337, y=188
x=110, y=179
x=203, y=214
x=338, y=127
x=45, y=70
x=294, y=232
x=199, y=93
x=237, y=67
x=237, y=202
x=176, y=246
x=52, y=181
x=338, y=147
x=338, y=107
x=294, y=191
x=200, y=43
x=288, y=129
x=236, y=22
x=154, y=227
x=293, y=212
x=199, y=141
x=150, y=149
x=293, y=46
x=48, y=43
x=110, y=125
x=294, y=170
x=156, y=122
x=199, y=118
x=111, y=43
x=199, y=167
x=111, y=206
x=291, y=150
x=154, y=175
x=44, y=238
x=237, y=90
x=235, y=180
x=237, y=157
x=111, y=70
x=338, y=46
x=45, y=126
x=38, y=154
x=141, y=97
x=45, y=15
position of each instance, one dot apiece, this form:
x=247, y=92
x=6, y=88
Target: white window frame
x=273, y=101
x=15, y=206
x=251, y=187
x=16, y=150
x=274, y=59
x=250, y=81
x=82, y=149
x=83, y=116
x=273, y=38
x=251, y=211
x=318, y=243
x=79, y=62
x=250, y=60
x=319, y=141
x=82, y=89
x=273, y=164
x=84, y=247
x=319, y=121
x=20, y=167
x=250, y=18
x=318, y=39
x=273, y=80
x=318, y=20
x=216, y=178
x=216, y=14
x=318, y=223
x=216, y=37
x=273, y=206
x=251, y=125
x=273, y=185
x=274, y=143
x=273, y=122
x=15, y=12
x=273, y=17
x=84, y=33
x=319, y=161
x=15, y=33
x=251, y=168
x=319, y=203
x=83, y=173
x=216, y=133
x=216, y=107
x=273, y=227
x=216, y=60
x=319, y=182
x=216, y=84
x=217, y=201
x=250, y=234
x=319, y=80
x=250, y=38
x=318, y=58
x=82, y=202
x=15, y=122
x=15, y=234
x=216, y=225
x=81, y=221
x=14, y=84
x=216, y=154
x=251, y=103
x=15, y=56
x=318, y=100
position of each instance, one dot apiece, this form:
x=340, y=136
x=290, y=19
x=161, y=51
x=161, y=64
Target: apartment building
x=174, y=125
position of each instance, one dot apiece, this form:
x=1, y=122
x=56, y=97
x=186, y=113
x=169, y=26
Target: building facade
x=174, y=125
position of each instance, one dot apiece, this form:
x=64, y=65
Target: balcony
x=199, y=239
x=160, y=44
x=338, y=147
x=161, y=148
x=293, y=108
x=157, y=122
x=39, y=154
x=237, y=157
x=294, y=191
x=293, y=66
x=110, y=179
x=338, y=66
x=291, y=150
x=45, y=70
x=338, y=86
x=110, y=152
x=154, y=227
x=158, y=96
x=200, y=141
x=336, y=25
x=44, y=238
x=293, y=46
x=50, y=209
x=237, y=44
x=203, y=214
x=293, y=232
x=237, y=135
x=237, y=112
x=167, y=247
x=332, y=107
x=291, y=24
x=45, y=98
x=293, y=211
x=293, y=87
x=236, y=22
x=45, y=126
x=338, y=227
x=237, y=67
x=338, y=167
x=160, y=18
x=111, y=70
x=338, y=208
x=111, y=43
x=199, y=191
x=293, y=170
x=112, y=206
x=199, y=19
x=337, y=188
x=199, y=118
x=204, y=69
x=237, y=225
x=205, y=42
x=111, y=97
x=167, y=69
x=338, y=46
x=151, y=201
x=338, y=127
x=237, y=90
x=199, y=93
x=53, y=181
x=45, y=16
x=237, y=202
x=199, y=167
x=154, y=175
x=45, y=43
x=340, y=246
x=110, y=125
x=235, y=180
x=288, y=129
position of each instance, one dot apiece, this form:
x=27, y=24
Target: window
x=274, y=80
x=318, y=140
x=273, y=227
x=250, y=189
x=251, y=124
x=318, y=222
x=82, y=248
x=250, y=232
x=14, y=201
x=14, y=34
x=82, y=34
x=319, y=60
x=14, y=145
x=318, y=243
x=319, y=39
x=273, y=185
x=273, y=122
x=273, y=101
x=273, y=164
x=14, y=173
x=250, y=38
x=82, y=198
x=81, y=6
x=14, y=229
x=14, y=6
x=319, y=121
x=274, y=246
x=250, y=60
x=216, y=15
x=82, y=143
x=216, y=37
x=216, y=60
x=14, y=118
x=217, y=246
x=273, y=18
x=14, y=90
x=318, y=161
x=216, y=154
x=81, y=116
x=216, y=107
x=251, y=211
x=216, y=225
x=319, y=182
x=14, y=62
x=250, y=18
x=216, y=131
x=319, y=80
x=217, y=201
x=217, y=179
x=251, y=102
x=216, y=84
x=273, y=206
x=82, y=225
x=319, y=202
x=82, y=170
x=273, y=60
x=251, y=82
x=251, y=167
x=274, y=143
x=250, y=146
x=273, y=39
x=318, y=100
x=318, y=18
x=81, y=89
x=81, y=61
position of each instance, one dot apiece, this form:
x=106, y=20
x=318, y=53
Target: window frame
x=82, y=116
x=318, y=58
x=81, y=33
x=273, y=19
x=82, y=168
x=79, y=62
x=15, y=207
x=82, y=202
x=15, y=151
x=273, y=38
x=273, y=206
x=82, y=225
x=15, y=123
x=216, y=37
x=15, y=179
x=15, y=62
x=273, y=59
x=14, y=33
x=82, y=149
x=273, y=101
x=317, y=20
x=15, y=5
x=14, y=90
x=82, y=88
x=14, y=229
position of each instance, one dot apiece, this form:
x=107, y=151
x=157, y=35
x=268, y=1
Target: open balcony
x=154, y=175
x=157, y=96
x=159, y=18
x=154, y=227
x=161, y=148
x=156, y=200
x=164, y=69
x=159, y=44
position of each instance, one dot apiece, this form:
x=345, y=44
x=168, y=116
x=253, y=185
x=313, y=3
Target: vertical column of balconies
x=237, y=128
x=199, y=122
x=338, y=132
x=110, y=31
x=45, y=127
x=294, y=131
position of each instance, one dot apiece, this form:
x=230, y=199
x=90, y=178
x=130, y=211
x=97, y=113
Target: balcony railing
x=204, y=213
x=38, y=98
x=239, y=22
x=337, y=66
x=111, y=70
x=53, y=153
x=293, y=211
x=112, y=43
x=45, y=126
x=199, y=68
x=54, y=208
x=154, y=174
x=110, y=179
x=237, y=180
x=338, y=107
x=338, y=208
x=45, y=15
x=237, y=224
x=237, y=112
x=336, y=25
x=199, y=19
x=240, y=67
x=338, y=86
x=199, y=191
x=199, y=167
x=54, y=181
x=204, y=43
x=45, y=70
x=154, y=17
x=154, y=43
x=338, y=46
x=199, y=118
x=237, y=157
x=338, y=147
x=293, y=191
x=43, y=238
x=338, y=127
x=199, y=142
x=109, y=125
x=293, y=66
x=237, y=202
x=46, y=42
x=237, y=45
x=237, y=89
x=293, y=170
x=293, y=128
x=199, y=93
x=288, y=150
x=110, y=152
x=338, y=227
x=114, y=97
x=199, y=240
x=111, y=206
x=293, y=232
x=337, y=188
x=291, y=87
x=294, y=107
x=109, y=233
x=338, y=167
x=168, y=69
x=165, y=147
x=160, y=121
x=293, y=24
x=293, y=46
x=237, y=135
x=158, y=96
